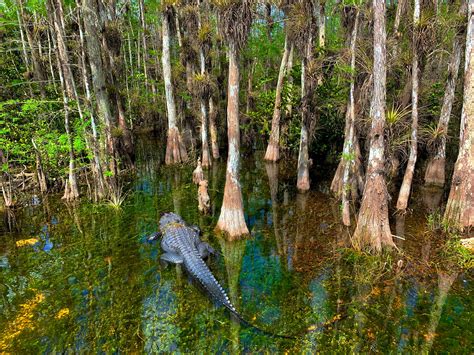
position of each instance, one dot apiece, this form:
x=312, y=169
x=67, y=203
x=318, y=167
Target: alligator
x=181, y=245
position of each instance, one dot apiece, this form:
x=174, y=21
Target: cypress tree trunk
x=302, y=182
x=460, y=207
x=435, y=171
x=373, y=228
x=91, y=27
x=56, y=14
x=273, y=148
x=213, y=128
x=231, y=219
x=97, y=166
x=348, y=153
x=175, y=150
x=38, y=71
x=206, y=155
x=405, y=189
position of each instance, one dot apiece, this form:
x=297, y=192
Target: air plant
x=116, y=196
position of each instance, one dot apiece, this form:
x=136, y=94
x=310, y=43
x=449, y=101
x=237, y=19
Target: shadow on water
x=84, y=278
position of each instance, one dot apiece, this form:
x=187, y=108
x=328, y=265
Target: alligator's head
x=169, y=218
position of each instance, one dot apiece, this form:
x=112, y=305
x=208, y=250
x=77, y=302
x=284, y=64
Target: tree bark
x=92, y=30
x=302, y=182
x=405, y=189
x=206, y=156
x=321, y=21
x=460, y=206
x=435, y=171
x=213, y=128
x=348, y=154
x=273, y=149
x=39, y=74
x=373, y=229
x=97, y=166
x=175, y=150
x=232, y=220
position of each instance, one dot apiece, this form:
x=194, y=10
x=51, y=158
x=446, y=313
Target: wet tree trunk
x=460, y=206
x=231, y=219
x=373, y=229
x=348, y=154
x=175, y=150
x=435, y=171
x=213, y=128
x=404, y=194
x=273, y=149
x=302, y=182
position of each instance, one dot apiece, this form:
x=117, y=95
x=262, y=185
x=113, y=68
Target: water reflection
x=290, y=275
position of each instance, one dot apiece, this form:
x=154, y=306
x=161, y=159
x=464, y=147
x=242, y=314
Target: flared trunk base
x=232, y=223
x=175, y=150
x=273, y=152
x=373, y=228
x=435, y=172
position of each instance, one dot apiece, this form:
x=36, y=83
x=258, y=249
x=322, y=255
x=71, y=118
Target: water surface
x=84, y=278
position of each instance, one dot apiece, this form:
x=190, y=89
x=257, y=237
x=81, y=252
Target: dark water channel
x=83, y=278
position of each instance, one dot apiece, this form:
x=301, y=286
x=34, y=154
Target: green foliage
x=22, y=122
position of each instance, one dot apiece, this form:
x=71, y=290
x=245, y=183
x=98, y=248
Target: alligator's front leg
x=170, y=257
x=205, y=250
x=153, y=236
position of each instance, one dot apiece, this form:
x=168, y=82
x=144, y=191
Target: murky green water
x=92, y=283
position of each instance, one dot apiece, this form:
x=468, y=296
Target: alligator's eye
x=196, y=229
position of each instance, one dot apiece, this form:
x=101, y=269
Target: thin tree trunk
x=460, y=206
x=289, y=68
x=97, y=166
x=373, y=228
x=435, y=171
x=302, y=182
x=213, y=128
x=175, y=150
x=55, y=11
x=71, y=190
x=231, y=219
x=321, y=21
x=404, y=194
x=249, y=101
x=22, y=37
x=206, y=156
x=35, y=57
x=91, y=26
x=348, y=154
x=50, y=61
x=39, y=170
x=396, y=25
x=273, y=149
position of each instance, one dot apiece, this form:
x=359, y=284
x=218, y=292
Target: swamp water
x=84, y=278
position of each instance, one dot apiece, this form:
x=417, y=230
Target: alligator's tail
x=314, y=328
x=199, y=270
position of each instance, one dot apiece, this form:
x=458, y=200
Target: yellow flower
x=23, y=242
x=62, y=313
